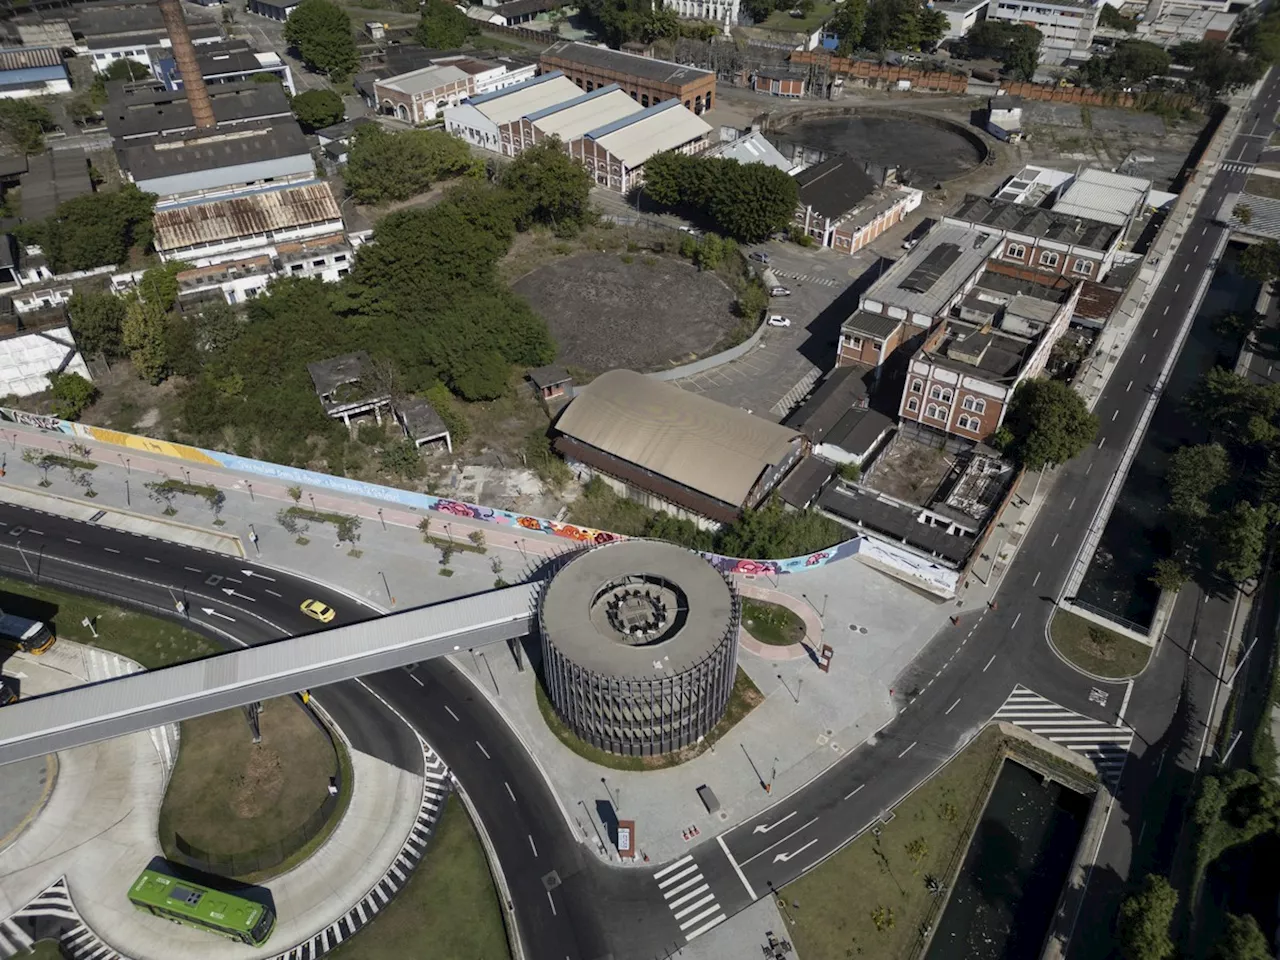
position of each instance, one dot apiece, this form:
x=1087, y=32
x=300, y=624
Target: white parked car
x=778, y=320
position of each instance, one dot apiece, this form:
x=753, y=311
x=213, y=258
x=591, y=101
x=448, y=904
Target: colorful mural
x=409, y=498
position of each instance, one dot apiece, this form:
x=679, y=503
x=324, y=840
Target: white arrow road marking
x=232, y=592
x=762, y=828
x=778, y=843
x=784, y=857
x=250, y=573
x=210, y=612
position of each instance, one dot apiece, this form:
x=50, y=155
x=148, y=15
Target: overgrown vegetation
x=384, y=165
x=882, y=25
x=1132, y=61
x=321, y=32
x=1017, y=45
x=771, y=531
x=444, y=27
x=745, y=201
x=1047, y=425
x=23, y=124
x=94, y=230
x=1092, y=647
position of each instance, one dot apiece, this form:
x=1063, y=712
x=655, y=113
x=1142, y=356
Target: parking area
x=774, y=377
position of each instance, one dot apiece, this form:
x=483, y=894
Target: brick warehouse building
x=648, y=81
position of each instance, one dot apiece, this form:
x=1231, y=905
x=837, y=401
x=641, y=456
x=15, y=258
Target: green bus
x=202, y=907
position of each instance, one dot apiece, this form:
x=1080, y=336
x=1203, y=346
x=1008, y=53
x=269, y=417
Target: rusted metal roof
x=22, y=58
x=261, y=213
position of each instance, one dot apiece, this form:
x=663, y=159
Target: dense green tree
x=1217, y=68
x=1238, y=327
x=849, y=23
x=1243, y=940
x=1022, y=54
x=385, y=166
x=1132, y=61
x=144, y=336
x=321, y=32
x=444, y=27
x=402, y=458
x=548, y=186
x=1047, y=424
x=217, y=327
x=1145, y=918
x=901, y=25
x=751, y=201
x=774, y=531
x=1236, y=412
x=1239, y=541
x=621, y=21
x=96, y=319
x=96, y=229
x=126, y=69
x=1194, y=474
x=318, y=108
x=71, y=394
x=1112, y=19
x=1261, y=261
x=23, y=124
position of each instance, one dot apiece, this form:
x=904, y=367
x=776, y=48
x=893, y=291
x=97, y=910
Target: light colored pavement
x=98, y=830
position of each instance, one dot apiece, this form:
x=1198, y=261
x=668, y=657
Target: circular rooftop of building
x=639, y=609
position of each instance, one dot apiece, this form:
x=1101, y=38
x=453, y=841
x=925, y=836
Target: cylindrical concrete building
x=639, y=646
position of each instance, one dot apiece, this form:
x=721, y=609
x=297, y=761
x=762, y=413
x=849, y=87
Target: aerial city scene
x=639, y=479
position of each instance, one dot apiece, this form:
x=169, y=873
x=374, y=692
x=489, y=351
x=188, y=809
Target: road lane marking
x=1015, y=621
x=989, y=663
x=736, y=869
x=273, y=593
x=1088, y=468
x=193, y=569
x=76, y=542
x=695, y=877
x=151, y=559
x=532, y=846
x=761, y=828
x=483, y=750
x=1143, y=358
x=779, y=842
x=1101, y=442
x=111, y=549
x=1055, y=540
x=1037, y=579
x=553, y=904
x=1115, y=414
x=1155, y=333
x=1072, y=503
x=700, y=904
x=671, y=866
x=452, y=714
x=1166, y=311
x=784, y=857
x=1129, y=387
x=953, y=706
x=1177, y=287
x=421, y=684
x=900, y=756
x=688, y=868
x=854, y=791
x=510, y=793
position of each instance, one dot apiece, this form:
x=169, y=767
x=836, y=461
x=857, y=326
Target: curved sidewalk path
x=808, y=647
x=97, y=831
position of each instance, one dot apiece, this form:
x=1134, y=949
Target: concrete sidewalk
x=97, y=828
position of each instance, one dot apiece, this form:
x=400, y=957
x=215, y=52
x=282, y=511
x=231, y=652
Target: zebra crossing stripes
x=1236, y=166
x=54, y=915
x=805, y=278
x=689, y=897
x=1105, y=744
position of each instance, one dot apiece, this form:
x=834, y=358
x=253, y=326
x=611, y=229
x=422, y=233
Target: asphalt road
x=969, y=670
x=531, y=838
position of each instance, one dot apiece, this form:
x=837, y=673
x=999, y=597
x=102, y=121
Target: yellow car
x=318, y=611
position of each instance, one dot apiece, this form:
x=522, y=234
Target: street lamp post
x=595, y=826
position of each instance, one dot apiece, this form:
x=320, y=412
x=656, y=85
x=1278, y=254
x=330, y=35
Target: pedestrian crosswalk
x=1103, y=743
x=805, y=278
x=1236, y=166
x=689, y=897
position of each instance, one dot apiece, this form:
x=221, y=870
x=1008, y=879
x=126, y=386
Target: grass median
x=150, y=641
x=871, y=898
x=772, y=623
x=746, y=696
x=1094, y=648
x=449, y=908
x=241, y=802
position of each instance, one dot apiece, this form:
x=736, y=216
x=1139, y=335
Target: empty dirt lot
x=648, y=314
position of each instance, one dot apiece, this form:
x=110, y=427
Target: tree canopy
x=884, y=25
x=318, y=108
x=24, y=123
x=747, y=202
x=444, y=27
x=321, y=30
x=621, y=21
x=1132, y=61
x=1145, y=918
x=94, y=230
x=1047, y=424
x=71, y=393
x=385, y=166
x=548, y=186
x=1261, y=261
x=1217, y=68
x=1243, y=940
x=126, y=69
x=1017, y=45
x=96, y=319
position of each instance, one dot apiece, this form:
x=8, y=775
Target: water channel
x=1013, y=872
x=1117, y=582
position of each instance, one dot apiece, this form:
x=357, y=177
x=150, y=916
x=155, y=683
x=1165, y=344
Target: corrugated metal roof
x=504, y=106
x=709, y=447
x=140, y=700
x=23, y=58
x=424, y=80
x=575, y=119
x=636, y=138
x=179, y=227
x=1099, y=195
x=628, y=64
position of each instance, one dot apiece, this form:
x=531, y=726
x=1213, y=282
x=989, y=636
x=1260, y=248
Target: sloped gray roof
x=706, y=446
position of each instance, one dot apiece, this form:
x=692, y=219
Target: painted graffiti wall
x=912, y=566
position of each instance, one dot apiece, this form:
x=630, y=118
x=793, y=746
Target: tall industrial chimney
x=184, y=53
